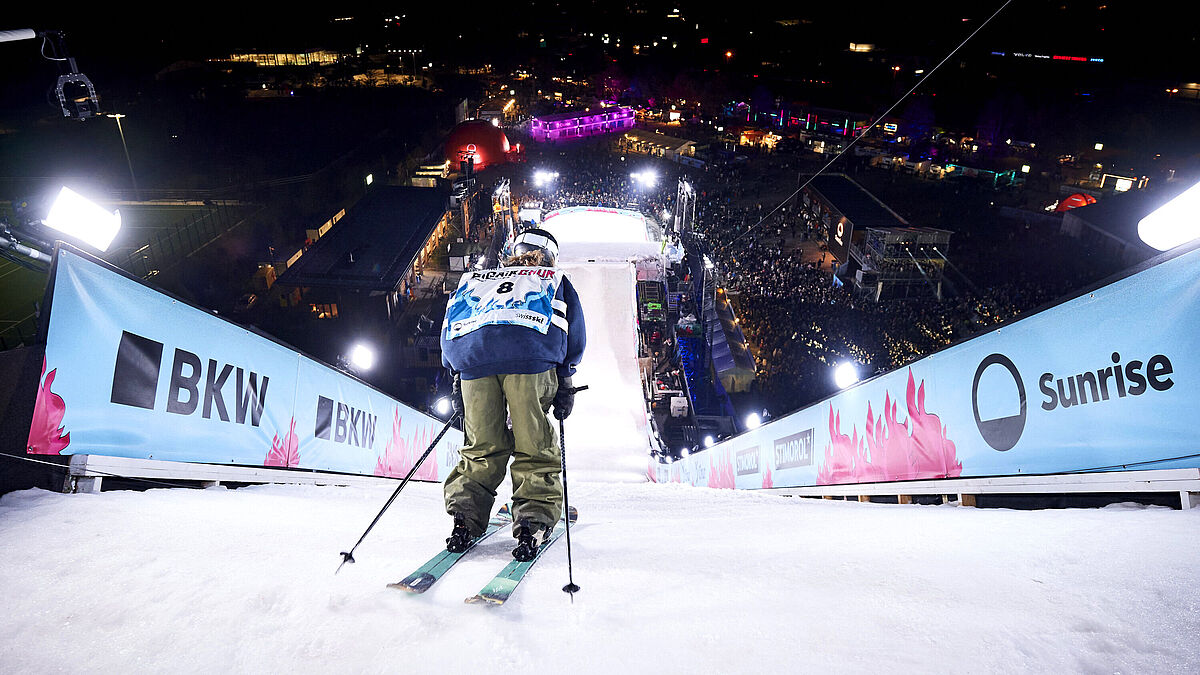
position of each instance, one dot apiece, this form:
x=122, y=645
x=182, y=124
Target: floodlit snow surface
x=674, y=580
x=607, y=435
x=599, y=234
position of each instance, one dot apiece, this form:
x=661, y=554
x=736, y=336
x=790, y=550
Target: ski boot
x=460, y=538
x=527, y=546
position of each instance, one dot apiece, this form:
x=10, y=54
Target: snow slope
x=607, y=432
x=674, y=579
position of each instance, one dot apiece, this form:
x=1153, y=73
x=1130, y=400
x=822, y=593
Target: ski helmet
x=536, y=239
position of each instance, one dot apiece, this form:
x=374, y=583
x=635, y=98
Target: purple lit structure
x=580, y=124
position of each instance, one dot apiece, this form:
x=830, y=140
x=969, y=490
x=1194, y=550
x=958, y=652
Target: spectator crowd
x=799, y=322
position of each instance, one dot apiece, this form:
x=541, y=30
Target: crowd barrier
x=1104, y=382
x=134, y=373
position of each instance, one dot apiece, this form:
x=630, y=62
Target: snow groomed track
x=608, y=434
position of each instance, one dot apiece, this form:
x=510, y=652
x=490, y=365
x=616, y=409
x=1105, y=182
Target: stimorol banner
x=1105, y=381
x=131, y=372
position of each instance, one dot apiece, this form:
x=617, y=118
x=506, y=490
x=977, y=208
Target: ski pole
x=348, y=556
x=571, y=586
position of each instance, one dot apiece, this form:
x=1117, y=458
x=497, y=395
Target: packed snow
x=673, y=578
x=595, y=234
x=608, y=439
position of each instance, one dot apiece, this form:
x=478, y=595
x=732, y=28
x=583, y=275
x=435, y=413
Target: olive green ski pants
x=470, y=488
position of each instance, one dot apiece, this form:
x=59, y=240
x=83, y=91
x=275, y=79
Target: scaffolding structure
x=900, y=262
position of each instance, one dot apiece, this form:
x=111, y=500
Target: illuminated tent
x=486, y=142
x=1074, y=201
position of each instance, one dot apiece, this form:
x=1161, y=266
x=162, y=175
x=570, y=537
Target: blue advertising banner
x=131, y=372
x=347, y=426
x=1105, y=381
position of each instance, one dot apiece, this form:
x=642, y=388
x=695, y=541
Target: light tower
x=685, y=207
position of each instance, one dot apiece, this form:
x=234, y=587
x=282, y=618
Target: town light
x=77, y=217
x=845, y=375
x=1173, y=223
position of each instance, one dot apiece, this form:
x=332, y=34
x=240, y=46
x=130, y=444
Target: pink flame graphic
x=286, y=452
x=721, y=475
x=400, y=453
x=767, y=483
x=45, y=431
x=892, y=451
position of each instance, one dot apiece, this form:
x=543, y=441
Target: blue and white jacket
x=513, y=320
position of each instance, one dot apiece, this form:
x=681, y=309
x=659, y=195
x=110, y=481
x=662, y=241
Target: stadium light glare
x=82, y=219
x=1173, y=223
x=753, y=421
x=442, y=407
x=647, y=178
x=542, y=178
x=708, y=441
x=362, y=357
x=845, y=375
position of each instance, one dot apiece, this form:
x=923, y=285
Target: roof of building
x=661, y=140
x=574, y=114
x=373, y=246
x=862, y=208
x=1118, y=215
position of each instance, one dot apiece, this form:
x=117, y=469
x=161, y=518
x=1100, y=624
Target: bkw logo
x=195, y=384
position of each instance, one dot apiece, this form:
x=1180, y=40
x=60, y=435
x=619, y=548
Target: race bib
x=521, y=296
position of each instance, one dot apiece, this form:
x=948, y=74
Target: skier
x=512, y=338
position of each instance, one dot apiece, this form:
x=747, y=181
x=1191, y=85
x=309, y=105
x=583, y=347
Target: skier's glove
x=456, y=399
x=564, y=400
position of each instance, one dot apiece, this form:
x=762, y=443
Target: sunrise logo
x=1001, y=433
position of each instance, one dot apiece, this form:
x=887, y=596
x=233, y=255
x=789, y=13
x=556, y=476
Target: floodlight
x=442, y=406
x=541, y=178
x=647, y=178
x=1173, y=223
x=82, y=219
x=845, y=375
x=753, y=421
x=708, y=441
x=362, y=357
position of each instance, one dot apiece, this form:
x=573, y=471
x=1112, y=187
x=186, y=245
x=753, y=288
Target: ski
x=501, y=587
x=426, y=575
